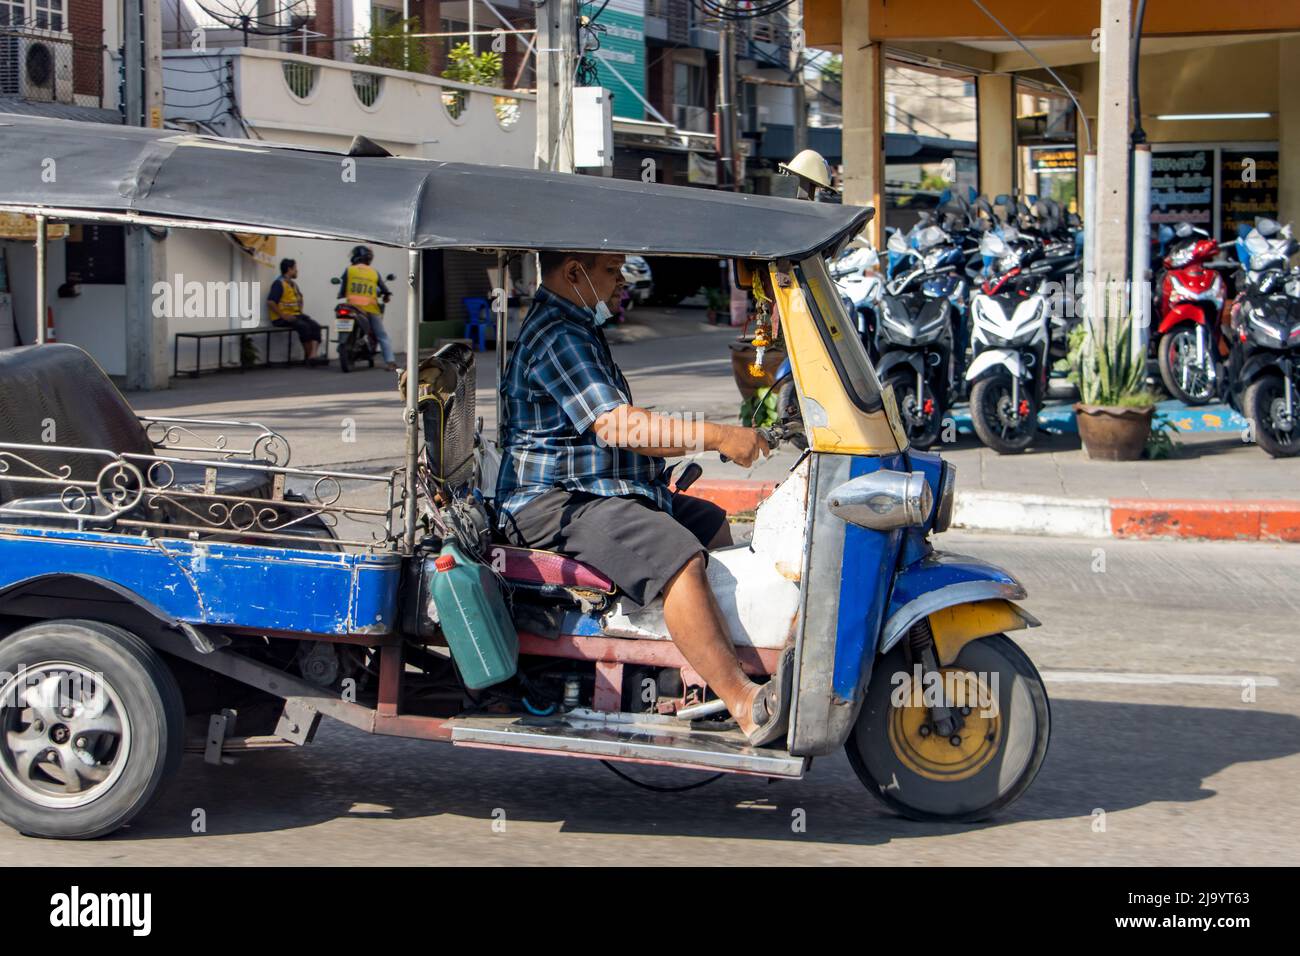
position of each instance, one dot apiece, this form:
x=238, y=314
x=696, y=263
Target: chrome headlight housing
x=947, y=497
x=883, y=500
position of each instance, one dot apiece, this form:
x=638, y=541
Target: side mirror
x=336, y=281
x=390, y=277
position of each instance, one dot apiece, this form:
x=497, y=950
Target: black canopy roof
x=255, y=186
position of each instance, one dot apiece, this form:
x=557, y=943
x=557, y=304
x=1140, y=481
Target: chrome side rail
x=179, y=497
x=192, y=435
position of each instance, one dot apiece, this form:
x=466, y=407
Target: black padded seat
x=58, y=392
x=191, y=476
x=60, y=386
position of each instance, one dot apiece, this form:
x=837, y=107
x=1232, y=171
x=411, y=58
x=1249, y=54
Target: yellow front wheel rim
x=924, y=751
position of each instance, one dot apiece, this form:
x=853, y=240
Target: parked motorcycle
x=1010, y=343
x=1189, y=303
x=352, y=331
x=1264, y=364
x=857, y=276
x=916, y=334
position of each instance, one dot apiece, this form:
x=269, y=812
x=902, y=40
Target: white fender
x=991, y=357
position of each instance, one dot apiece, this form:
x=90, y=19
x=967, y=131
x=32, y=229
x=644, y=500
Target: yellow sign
x=20, y=225
x=261, y=248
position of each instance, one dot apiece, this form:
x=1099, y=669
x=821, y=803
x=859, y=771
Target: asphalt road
x=1144, y=646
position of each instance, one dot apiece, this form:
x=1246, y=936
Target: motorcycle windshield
x=929, y=237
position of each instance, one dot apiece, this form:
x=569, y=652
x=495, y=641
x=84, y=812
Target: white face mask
x=600, y=314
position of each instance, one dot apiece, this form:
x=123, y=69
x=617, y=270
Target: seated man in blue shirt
x=581, y=473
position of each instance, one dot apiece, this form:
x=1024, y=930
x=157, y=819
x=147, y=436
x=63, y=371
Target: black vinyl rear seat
x=56, y=395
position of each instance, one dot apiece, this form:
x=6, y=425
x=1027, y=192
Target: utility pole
x=557, y=62
x=146, y=334
x=728, y=128
x=1112, y=203
x=795, y=15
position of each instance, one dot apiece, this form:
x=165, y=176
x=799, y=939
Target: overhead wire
x=1083, y=117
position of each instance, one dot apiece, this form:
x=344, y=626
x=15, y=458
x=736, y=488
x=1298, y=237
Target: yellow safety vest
x=361, y=288
x=290, y=298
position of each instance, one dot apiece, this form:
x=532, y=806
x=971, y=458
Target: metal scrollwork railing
x=209, y=437
x=99, y=490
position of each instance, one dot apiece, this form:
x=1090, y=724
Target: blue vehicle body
x=226, y=585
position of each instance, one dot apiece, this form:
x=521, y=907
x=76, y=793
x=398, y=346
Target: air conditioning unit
x=36, y=67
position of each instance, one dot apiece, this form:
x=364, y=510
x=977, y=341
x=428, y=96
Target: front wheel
x=985, y=766
x=1005, y=425
x=1277, y=429
x=1185, y=377
x=922, y=414
x=91, y=726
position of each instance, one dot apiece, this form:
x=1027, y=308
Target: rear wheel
x=1184, y=376
x=989, y=762
x=91, y=726
x=1277, y=427
x=345, y=353
x=1006, y=426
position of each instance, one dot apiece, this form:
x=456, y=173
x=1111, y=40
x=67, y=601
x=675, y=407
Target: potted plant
x=1115, y=408
x=718, y=303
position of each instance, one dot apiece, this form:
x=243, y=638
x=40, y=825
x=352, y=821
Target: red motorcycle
x=1188, y=311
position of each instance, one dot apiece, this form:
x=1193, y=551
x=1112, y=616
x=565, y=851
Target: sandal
x=771, y=707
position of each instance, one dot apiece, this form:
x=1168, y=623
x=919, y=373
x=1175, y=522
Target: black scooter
x=356, y=343
x=1264, y=364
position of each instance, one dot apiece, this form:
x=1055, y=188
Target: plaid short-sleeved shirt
x=560, y=379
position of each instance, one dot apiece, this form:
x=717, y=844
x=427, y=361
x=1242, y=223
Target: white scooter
x=857, y=276
x=1010, y=338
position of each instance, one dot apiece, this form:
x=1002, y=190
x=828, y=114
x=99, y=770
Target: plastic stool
x=476, y=321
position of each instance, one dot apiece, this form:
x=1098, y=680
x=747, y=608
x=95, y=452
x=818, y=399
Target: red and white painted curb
x=1011, y=513
x=1128, y=517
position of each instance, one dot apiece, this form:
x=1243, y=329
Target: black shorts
x=308, y=329
x=627, y=538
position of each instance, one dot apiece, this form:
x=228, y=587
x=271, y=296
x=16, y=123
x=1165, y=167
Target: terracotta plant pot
x=742, y=354
x=1113, y=432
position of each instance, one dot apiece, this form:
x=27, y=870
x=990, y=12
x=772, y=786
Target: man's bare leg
x=696, y=625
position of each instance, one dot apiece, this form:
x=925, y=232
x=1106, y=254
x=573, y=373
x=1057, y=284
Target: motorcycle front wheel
x=922, y=428
x=1277, y=428
x=998, y=424
x=1183, y=376
x=985, y=765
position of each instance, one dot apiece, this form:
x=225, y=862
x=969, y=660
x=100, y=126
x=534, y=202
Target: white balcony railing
x=295, y=98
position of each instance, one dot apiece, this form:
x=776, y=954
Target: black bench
x=221, y=335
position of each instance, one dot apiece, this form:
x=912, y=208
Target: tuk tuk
x=165, y=579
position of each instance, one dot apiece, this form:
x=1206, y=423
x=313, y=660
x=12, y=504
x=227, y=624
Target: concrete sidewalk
x=675, y=361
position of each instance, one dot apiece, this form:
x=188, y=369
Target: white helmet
x=812, y=170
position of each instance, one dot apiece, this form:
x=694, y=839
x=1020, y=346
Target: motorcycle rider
x=363, y=287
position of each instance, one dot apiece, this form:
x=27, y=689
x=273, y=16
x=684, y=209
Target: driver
x=363, y=287
x=582, y=474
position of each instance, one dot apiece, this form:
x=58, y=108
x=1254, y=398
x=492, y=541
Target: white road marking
x=1128, y=677
x=676, y=367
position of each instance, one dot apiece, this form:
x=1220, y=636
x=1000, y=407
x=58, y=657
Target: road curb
x=1011, y=513
x=733, y=495
x=1203, y=520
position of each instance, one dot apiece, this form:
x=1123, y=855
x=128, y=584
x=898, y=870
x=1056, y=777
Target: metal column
x=412, y=390
x=42, y=242
x=1140, y=289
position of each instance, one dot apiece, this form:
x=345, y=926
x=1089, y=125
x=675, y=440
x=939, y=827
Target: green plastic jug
x=474, y=618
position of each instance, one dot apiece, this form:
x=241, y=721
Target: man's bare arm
x=670, y=436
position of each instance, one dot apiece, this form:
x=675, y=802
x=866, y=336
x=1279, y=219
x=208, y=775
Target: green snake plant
x=1105, y=370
